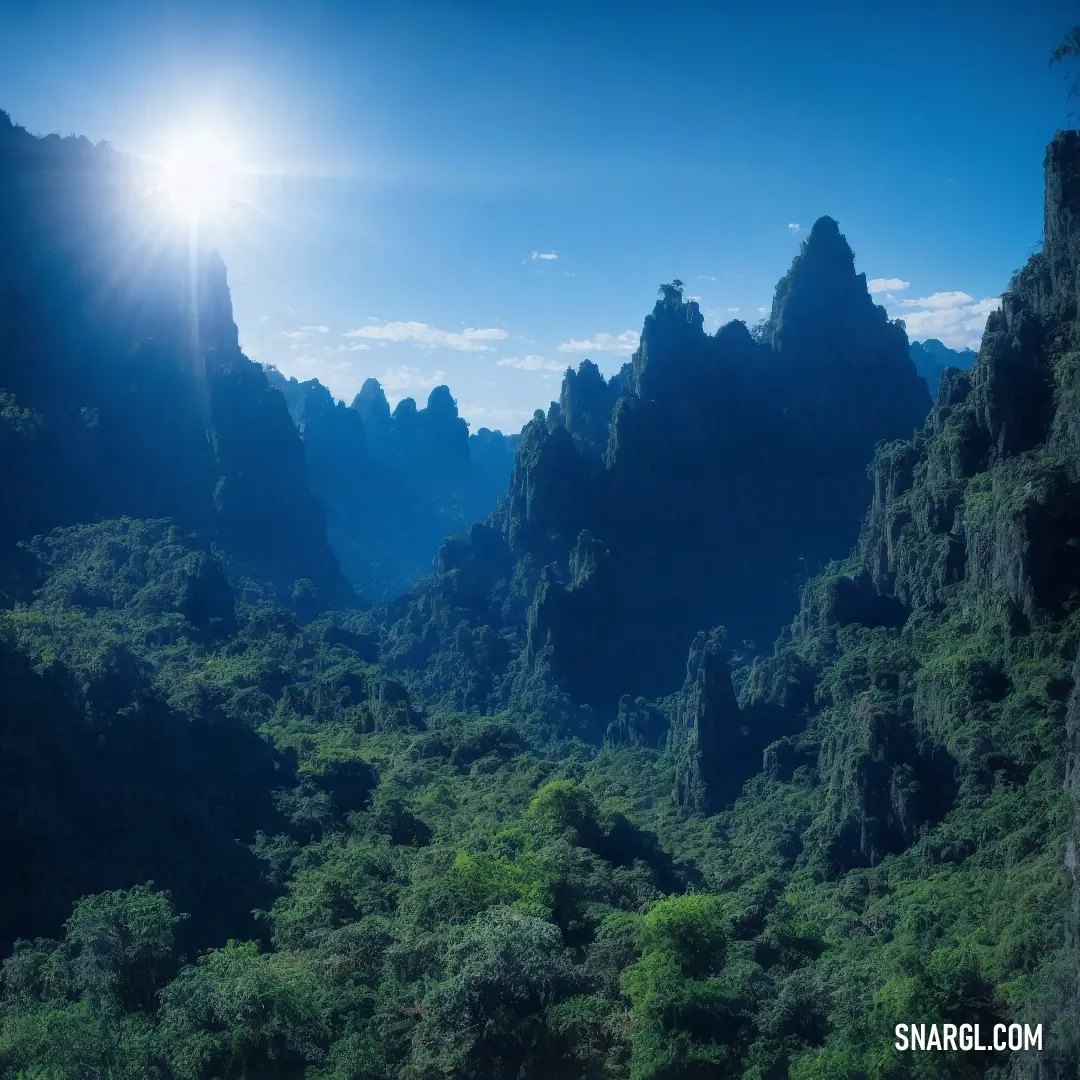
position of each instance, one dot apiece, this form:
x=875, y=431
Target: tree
x=1068, y=49
x=119, y=946
x=487, y=1019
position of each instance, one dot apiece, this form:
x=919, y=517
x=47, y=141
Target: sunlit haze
x=199, y=174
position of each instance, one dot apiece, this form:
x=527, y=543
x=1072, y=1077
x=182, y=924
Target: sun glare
x=200, y=174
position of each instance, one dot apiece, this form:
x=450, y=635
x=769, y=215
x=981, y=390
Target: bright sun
x=200, y=173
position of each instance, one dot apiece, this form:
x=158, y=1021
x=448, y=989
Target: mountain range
x=735, y=724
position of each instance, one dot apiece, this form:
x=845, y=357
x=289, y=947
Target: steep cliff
x=933, y=669
x=124, y=389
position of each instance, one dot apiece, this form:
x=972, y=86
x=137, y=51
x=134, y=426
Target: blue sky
x=478, y=193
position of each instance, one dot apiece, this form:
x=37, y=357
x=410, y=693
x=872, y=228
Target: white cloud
x=410, y=378
x=763, y=311
x=706, y=277
x=469, y=340
x=942, y=300
x=887, y=284
x=532, y=362
x=304, y=332
x=794, y=227
x=626, y=342
x=542, y=255
x=360, y=346
x=732, y=310
x=954, y=318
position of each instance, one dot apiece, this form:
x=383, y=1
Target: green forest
x=615, y=790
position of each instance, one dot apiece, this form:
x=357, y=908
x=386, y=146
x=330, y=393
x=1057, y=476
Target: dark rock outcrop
x=714, y=472
x=705, y=735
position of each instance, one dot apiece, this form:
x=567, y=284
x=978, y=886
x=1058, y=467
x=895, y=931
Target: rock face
x=706, y=480
x=394, y=486
x=987, y=493
x=729, y=465
x=123, y=387
x=705, y=734
x=934, y=667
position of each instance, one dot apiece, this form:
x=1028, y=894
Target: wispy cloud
x=305, y=332
x=543, y=255
x=794, y=226
x=410, y=378
x=469, y=340
x=763, y=311
x=732, y=310
x=954, y=317
x=626, y=342
x=532, y=362
x=940, y=300
x=887, y=284
x=706, y=277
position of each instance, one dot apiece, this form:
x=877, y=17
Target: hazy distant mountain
x=932, y=357
x=394, y=485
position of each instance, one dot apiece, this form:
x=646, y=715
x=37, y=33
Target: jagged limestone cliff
x=698, y=486
x=933, y=669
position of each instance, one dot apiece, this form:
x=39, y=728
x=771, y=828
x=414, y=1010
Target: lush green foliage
x=454, y=901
